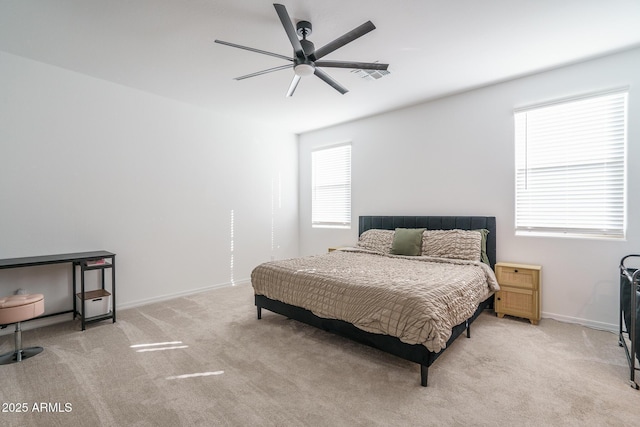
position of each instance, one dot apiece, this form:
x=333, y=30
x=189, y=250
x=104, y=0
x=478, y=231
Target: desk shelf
x=99, y=318
x=91, y=265
x=98, y=267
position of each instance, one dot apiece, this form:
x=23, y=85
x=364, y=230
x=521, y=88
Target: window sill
x=569, y=235
x=344, y=227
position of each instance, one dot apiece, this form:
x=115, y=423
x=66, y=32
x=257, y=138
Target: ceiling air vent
x=370, y=74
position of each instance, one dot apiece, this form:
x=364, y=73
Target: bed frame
x=412, y=352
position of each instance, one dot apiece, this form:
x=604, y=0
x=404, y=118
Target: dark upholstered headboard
x=436, y=223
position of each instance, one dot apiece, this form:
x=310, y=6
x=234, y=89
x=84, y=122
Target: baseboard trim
x=584, y=322
x=37, y=323
x=160, y=298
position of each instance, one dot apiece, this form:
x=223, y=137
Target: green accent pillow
x=407, y=241
x=483, y=255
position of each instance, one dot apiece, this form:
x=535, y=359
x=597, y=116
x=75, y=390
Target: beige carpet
x=278, y=372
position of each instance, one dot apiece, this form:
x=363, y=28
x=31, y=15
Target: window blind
x=331, y=187
x=571, y=167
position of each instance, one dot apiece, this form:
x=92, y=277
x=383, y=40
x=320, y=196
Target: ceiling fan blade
x=259, y=73
x=344, y=39
x=334, y=84
x=352, y=64
x=264, y=52
x=293, y=85
x=291, y=32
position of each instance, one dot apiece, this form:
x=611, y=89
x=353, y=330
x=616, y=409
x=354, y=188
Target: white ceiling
x=434, y=48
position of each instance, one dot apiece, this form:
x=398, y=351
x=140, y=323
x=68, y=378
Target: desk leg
x=113, y=287
x=82, y=294
x=73, y=290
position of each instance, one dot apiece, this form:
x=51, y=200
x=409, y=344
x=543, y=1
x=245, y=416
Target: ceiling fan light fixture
x=303, y=70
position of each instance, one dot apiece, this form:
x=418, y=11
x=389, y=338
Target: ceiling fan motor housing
x=303, y=28
x=309, y=48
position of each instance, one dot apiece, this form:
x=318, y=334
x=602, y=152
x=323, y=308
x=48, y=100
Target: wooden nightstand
x=519, y=293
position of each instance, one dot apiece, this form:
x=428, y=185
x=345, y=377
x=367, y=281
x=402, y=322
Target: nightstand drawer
x=516, y=302
x=518, y=276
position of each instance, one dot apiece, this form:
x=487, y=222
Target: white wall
x=87, y=165
x=454, y=156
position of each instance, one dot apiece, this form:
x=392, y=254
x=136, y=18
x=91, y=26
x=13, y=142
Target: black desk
x=83, y=260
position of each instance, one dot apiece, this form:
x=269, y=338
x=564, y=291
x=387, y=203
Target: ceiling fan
x=306, y=58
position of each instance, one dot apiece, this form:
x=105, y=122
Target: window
x=331, y=187
x=570, y=167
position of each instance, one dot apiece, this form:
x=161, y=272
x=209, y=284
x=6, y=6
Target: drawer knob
x=515, y=271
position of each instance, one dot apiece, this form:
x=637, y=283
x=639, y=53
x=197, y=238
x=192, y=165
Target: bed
x=411, y=305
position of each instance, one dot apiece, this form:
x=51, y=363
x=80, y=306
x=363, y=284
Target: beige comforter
x=417, y=299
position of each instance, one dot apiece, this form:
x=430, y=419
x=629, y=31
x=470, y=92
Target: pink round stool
x=16, y=309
